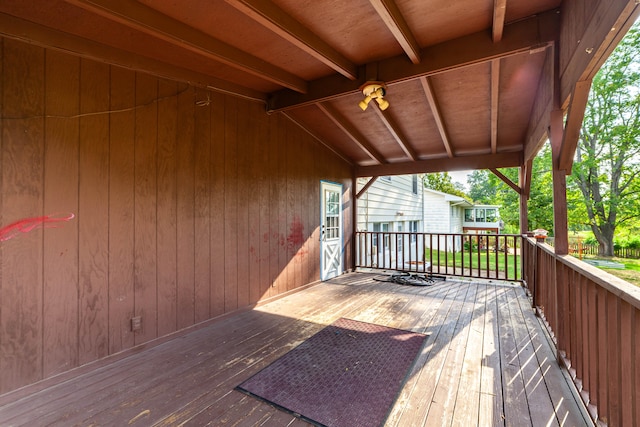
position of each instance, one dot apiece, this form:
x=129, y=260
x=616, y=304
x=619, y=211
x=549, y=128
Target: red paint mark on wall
x=293, y=243
x=296, y=233
x=295, y=239
x=29, y=224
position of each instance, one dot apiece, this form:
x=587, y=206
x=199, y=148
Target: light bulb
x=365, y=103
x=383, y=103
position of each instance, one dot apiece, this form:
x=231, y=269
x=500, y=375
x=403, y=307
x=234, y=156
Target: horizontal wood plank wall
x=134, y=196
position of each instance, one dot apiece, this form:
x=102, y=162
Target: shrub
x=633, y=243
x=474, y=246
x=591, y=241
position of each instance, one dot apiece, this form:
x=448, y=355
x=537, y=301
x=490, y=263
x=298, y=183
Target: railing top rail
x=438, y=233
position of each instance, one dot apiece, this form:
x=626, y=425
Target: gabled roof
x=451, y=198
x=470, y=83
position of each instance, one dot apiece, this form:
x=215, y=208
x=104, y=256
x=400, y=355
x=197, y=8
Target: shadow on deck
x=486, y=361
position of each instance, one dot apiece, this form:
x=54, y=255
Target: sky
x=460, y=176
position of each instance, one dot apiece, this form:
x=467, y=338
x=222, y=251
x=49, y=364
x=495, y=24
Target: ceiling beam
x=437, y=114
x=395, y=22
x=351, y=132
x=142, y=18
x=366, y=186
x=499, y=12
x=575, y=115
x=394, y=130
x=523, y=37
x=495, y=96
x=487, y=161
x=19, y=29
x=275, y=19
x=506, y=180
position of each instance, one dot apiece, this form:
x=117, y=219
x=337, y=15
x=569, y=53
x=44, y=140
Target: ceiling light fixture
x=374, y=90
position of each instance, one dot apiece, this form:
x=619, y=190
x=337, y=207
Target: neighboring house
x=447, y=213
x=444, y=214
x=401, y=204
x=450, y=214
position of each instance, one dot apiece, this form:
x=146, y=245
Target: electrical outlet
x=136, y=323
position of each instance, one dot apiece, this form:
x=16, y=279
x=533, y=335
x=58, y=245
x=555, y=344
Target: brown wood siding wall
x=183, y=211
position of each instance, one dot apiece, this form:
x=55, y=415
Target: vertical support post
x=560, y=227
x=524, y=182
x=354, y=219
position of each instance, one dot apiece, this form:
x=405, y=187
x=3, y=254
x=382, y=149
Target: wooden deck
x=486, y=362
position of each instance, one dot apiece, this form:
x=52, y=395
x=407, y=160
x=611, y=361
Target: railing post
x=560, y=296
x=537, y=254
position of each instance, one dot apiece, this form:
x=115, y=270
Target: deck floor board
x=485, y=361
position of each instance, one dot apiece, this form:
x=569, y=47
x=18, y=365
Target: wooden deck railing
x=594, y=319
x=469, y=255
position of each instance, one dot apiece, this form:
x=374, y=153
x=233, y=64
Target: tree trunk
x=604, y=235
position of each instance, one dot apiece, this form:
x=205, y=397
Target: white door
x=330, y=230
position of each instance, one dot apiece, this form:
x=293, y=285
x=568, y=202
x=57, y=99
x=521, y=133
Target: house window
x=468, y=215
x=492, y=215
x=413, y=229
x=381, y=227
x=414, y=184
x=480, y=217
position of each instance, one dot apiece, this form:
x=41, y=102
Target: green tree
x=442, y=181
x=485, y=187
x=481, y=189
x=540, y=211
x=607, y=158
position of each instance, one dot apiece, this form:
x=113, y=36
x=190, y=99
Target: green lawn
x=631, y=273
x=497, y=261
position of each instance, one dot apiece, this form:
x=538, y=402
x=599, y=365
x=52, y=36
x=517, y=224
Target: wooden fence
x=578, y=249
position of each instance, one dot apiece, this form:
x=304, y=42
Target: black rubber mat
x=349, y=374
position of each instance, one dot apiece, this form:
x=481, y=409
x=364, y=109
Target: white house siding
x=393, y=202
x=437, y=213
x=443, y=213
x=457, y=219
x=390, y=201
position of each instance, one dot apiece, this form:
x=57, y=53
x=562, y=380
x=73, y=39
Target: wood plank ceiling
x=462, y=76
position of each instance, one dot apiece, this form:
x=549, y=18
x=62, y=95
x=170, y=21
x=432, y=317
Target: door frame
x=339, y=187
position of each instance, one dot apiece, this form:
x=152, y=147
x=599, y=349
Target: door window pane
x=332, y=221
